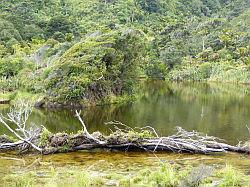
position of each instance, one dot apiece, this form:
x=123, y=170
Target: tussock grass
x=168, y=175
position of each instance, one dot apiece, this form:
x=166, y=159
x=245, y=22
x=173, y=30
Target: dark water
x=221, y=110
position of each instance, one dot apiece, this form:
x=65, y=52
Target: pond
x=221, y=110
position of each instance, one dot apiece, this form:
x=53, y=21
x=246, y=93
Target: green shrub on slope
x=97, y=67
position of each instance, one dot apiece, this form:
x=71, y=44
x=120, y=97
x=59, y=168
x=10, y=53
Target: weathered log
x=152, y=145
x=166, y=144
x=125, y=139
x=2, y=102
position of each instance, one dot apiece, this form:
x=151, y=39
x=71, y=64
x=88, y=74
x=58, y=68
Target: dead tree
x=124, y=139
x=85, y=130
x=18, y=116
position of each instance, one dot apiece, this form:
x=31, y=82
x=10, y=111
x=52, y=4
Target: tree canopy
x=82, y=43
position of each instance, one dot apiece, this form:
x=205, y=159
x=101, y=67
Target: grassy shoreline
x=165, y=174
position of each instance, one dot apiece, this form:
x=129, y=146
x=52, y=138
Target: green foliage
x=8, y=33
x=165, y=175
x=91, y=50
x=25, y=180
x=220, y=72
x=59, y=24
x=69, y=37
x=97, y=67
x=144, y=134
x=44, y=137
x=32, y=31
x=12, y=66
x=230, y=177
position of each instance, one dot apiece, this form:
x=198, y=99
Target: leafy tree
x=59, y=36
x=98, y=67
x=8, y=32
x=58, y=24
x=149, y=5
x=32, y=31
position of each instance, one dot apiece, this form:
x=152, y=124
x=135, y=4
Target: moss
x=129, y=136
x=64, y=148
x=44, y=137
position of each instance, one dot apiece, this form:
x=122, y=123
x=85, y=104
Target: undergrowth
x=166, y=175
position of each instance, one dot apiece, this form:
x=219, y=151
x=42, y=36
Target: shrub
x=230, y=177
x=217, y=71
x=12, y=66
x=97, y=67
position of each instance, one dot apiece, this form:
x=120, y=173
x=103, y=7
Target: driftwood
x=19, y=117
x=85, y=131
x=4, y=102
x=124, y=139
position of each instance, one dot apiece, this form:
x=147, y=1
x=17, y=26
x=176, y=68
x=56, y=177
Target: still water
x=221, y=110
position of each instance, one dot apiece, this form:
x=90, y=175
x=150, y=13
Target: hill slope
x=59, y=49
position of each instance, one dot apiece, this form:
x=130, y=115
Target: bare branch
x=19, y=117
x=85, y=131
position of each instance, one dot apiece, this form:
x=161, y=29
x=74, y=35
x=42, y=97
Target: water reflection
x=221, y=110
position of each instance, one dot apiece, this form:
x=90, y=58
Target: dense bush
x=10, y=67
x=219, y=71
x=87, y=49
x=97, y=67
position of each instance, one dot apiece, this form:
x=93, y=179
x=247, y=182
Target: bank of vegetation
x=70, y=52
x=165, y=175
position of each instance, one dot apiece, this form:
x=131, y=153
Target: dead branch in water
x=85, y=130
x=19, y=116
x=123, y=139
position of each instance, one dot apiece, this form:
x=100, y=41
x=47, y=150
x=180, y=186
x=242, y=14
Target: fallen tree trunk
x=123, y=139
x=130, y=141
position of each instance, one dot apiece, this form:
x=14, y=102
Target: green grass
x=231, y=177
x=166, y=175
x=16, y=97
x=6, y=96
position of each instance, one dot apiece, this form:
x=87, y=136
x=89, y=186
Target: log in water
x=126, y=140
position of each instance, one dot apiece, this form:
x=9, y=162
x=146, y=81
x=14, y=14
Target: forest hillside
x=58, y=52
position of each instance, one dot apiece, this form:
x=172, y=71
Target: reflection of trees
x=56, y=120
x=224, y=108
x=220, y=110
